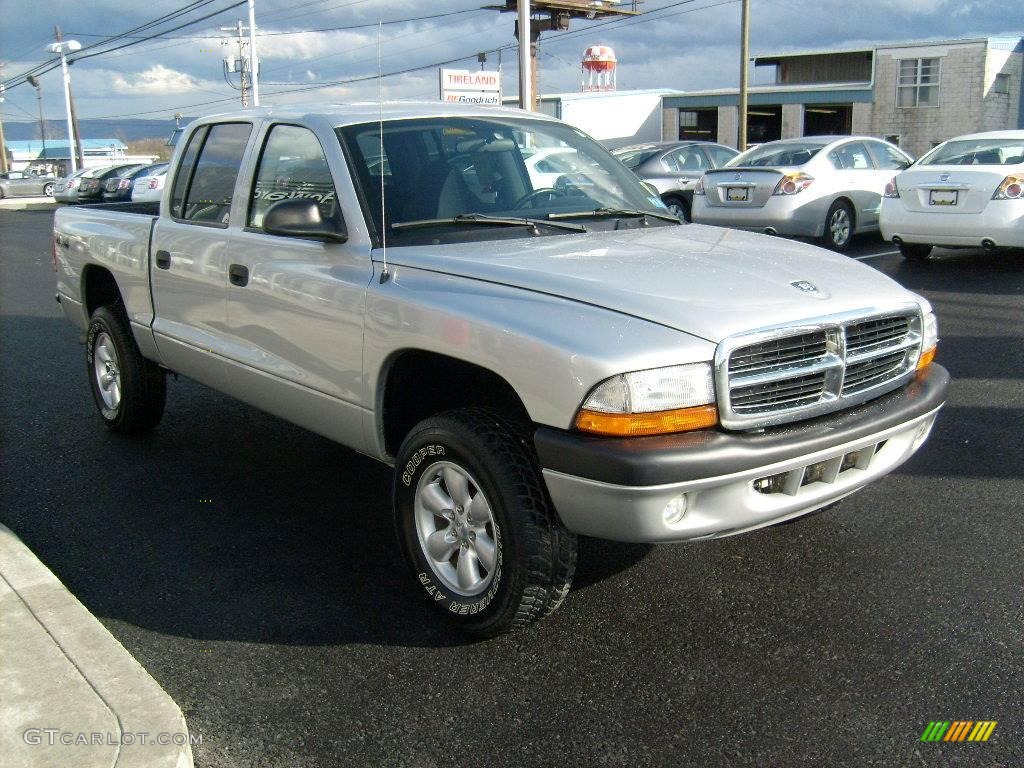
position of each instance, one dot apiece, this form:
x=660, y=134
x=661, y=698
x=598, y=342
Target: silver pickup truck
x=535, y=363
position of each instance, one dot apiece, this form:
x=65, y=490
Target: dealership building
x=915, y=94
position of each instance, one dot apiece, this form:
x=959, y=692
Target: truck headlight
x=929, y=340
x=658, y=401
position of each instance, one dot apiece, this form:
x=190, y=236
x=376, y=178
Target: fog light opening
x=675, y=510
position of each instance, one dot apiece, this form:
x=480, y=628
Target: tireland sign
x=462, y=86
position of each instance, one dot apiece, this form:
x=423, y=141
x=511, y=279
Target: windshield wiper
x=495, y=221
x=615, y=212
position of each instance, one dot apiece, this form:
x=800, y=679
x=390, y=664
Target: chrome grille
x=788, y=374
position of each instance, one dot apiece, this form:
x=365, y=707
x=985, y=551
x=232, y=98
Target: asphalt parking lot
x=250, y=567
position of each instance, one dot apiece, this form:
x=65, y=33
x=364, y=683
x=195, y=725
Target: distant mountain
x=126, y=129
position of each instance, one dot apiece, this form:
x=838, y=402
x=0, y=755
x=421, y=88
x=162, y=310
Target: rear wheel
x=476, y=525
x=915, y=251
x=839, y=226
x=677, y=207
x=48, y=190
x=129, y=390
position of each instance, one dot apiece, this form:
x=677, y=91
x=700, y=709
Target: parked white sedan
x=967, y=192
x=827, y=187
x=150, y=188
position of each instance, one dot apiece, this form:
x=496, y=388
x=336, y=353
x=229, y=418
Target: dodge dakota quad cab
x=535, y=363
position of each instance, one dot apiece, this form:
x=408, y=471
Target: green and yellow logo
x=958, y=730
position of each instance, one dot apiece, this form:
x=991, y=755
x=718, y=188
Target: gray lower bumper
x=713, y=484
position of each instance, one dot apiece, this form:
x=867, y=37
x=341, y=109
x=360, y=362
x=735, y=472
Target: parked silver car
x=674, y=168
x=966, y=192
x=20, y=184
x=66, y=188
x=827, y=187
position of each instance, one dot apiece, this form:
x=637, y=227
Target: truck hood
x=705, y=281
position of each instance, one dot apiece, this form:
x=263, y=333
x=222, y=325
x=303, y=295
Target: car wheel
x=129, y=390
x=677, y=207
x=48, y=190
x=915, y=251
x=476, y=525
x=839, y=226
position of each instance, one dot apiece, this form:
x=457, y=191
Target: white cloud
x=157, y=81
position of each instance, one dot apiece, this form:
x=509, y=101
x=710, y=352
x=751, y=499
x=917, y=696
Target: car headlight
x=658, y=401
x=929, y=340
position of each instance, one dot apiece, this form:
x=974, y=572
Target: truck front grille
x=788, y=374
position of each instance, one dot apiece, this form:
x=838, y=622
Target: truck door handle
x=238, y=275
x=163, y=259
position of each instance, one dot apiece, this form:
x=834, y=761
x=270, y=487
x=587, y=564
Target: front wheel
x=476, y=525
x=915, y=251
x=129, y=390
x=839, y=226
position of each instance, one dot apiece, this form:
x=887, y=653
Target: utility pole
x=3, y=145
x=527, y=49
x=254, y=63
x=34, y=82
x=242, y=68
x=741, y=143
x=63, y=47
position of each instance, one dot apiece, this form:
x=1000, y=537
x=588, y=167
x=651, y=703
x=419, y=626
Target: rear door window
x=292, y=166
x=851, y=157
x=208, y=198
x=184, y=172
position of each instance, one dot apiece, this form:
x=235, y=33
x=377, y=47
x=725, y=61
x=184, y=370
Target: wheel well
x=99, y=289
x=420, y=384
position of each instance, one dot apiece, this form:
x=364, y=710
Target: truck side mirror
x=300, y=217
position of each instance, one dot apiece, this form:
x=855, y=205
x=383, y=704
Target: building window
x=892, y=138
x=1001, y=84
x=918, y=83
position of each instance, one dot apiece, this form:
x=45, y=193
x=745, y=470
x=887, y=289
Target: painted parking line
x=875, y=255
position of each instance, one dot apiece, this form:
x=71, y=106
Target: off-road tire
x=536, y=555
x=143, y=384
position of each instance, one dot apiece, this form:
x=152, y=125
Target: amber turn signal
x=926, y=359
x=641, y=424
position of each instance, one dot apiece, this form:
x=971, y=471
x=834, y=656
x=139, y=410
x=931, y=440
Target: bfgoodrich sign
x=465, y=87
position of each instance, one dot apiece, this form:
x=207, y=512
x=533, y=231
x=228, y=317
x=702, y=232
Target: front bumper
x=619, y=489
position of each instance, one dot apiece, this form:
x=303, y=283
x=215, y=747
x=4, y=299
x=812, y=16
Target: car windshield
x=769, y=155
x=634, y=158
x=977, y=152
x=448, y=170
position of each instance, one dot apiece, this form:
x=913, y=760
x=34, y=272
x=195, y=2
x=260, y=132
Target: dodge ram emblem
x=803, y=285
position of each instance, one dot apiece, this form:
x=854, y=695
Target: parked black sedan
x=674, y=168
x=91, y=189
x=118, y=188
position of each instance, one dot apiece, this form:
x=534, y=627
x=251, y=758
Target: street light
x=34, y=82
x=64, y=47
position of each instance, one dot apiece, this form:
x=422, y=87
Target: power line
x=322, y=29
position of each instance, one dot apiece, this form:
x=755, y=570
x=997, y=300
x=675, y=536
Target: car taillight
x=698, y=189
x=891, y=190
x=793, y=183
x=152, y=183
x=1010, y=189
x=72, y=184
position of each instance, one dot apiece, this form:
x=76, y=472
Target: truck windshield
x=456, y=169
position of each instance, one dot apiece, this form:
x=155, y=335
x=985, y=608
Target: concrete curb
x=29, y=204
x=71, y=694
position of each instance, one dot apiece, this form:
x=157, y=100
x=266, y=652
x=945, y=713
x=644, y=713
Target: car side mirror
x=300, y=217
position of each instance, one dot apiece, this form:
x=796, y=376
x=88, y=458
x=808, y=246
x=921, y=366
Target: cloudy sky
x=680, y=45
